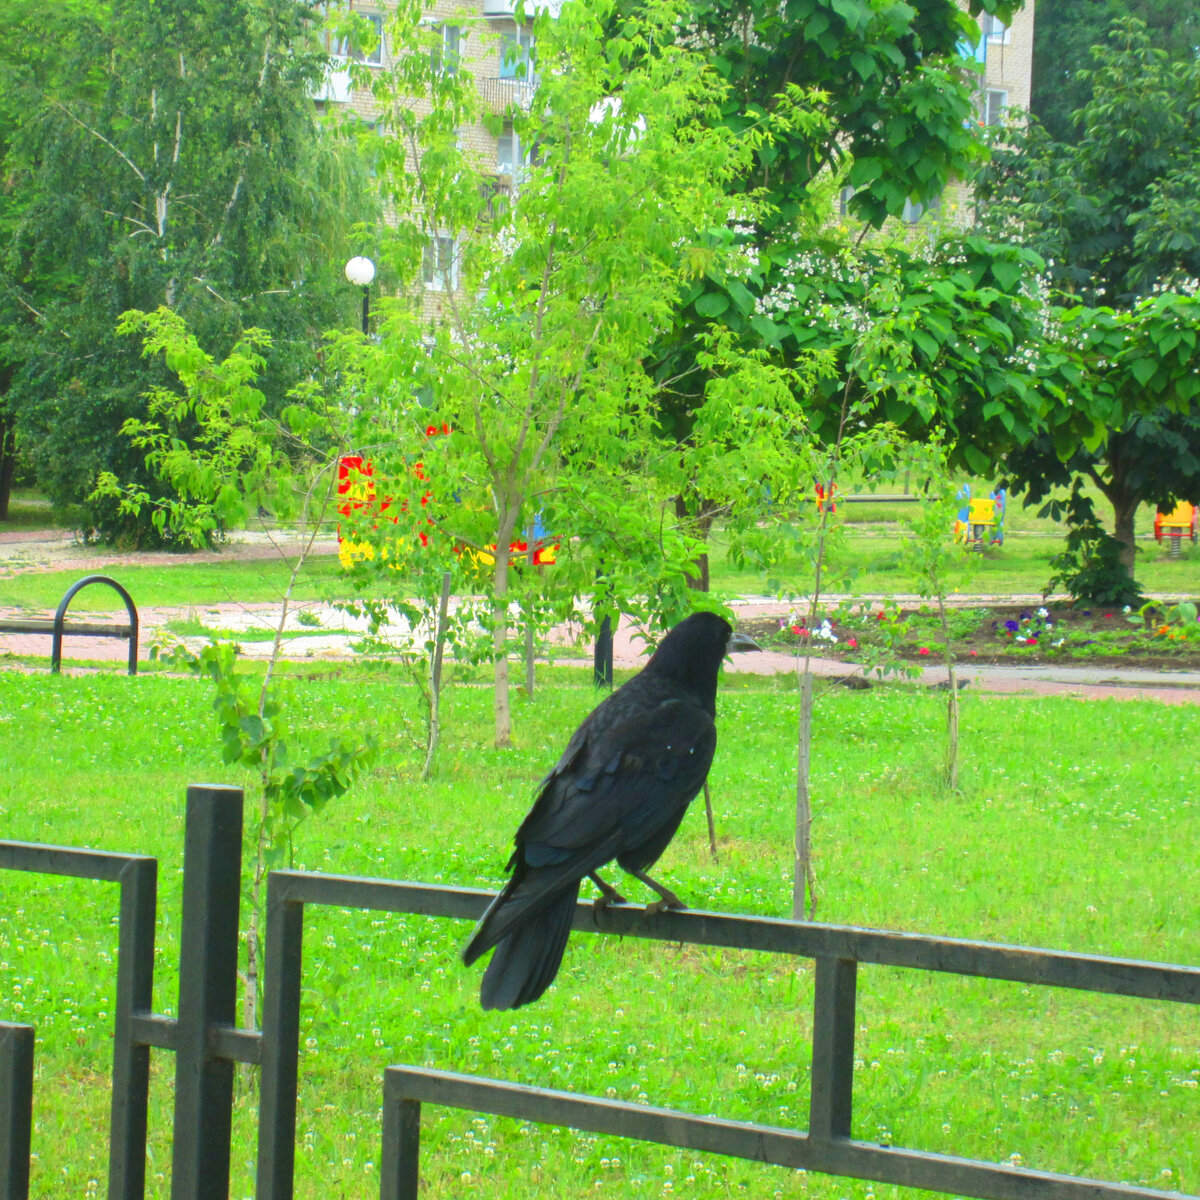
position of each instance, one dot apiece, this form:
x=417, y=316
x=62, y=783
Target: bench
x=57, y=626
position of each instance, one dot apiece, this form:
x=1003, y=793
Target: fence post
x=399, y=1174
x=16, y=1109
x=131, y=1058
x=281, y=1044
x=833, y=1048
x=208, y=950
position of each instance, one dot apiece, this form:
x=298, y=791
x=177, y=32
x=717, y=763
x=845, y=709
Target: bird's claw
x=665, y=903
x=606, y=898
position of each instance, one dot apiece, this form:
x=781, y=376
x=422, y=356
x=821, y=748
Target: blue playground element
x=980, y=521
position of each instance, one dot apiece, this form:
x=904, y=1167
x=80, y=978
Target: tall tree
x=42, y=53
x=1115, y=213
x=191, y=173
x=890, y=102
x=523, y=321
x=1064, y=34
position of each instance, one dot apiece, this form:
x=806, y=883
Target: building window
x=447, y=52
x=512, y=154
x=914, y=210
x=995, y=101
x=438, y=267
x=344, y=47
x=516, y=54
x=844, y=197
x=994, y=30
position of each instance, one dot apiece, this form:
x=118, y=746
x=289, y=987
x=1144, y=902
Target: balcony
x=508, y=8
x=336, y=86
x=500, y=95
x=497, y=192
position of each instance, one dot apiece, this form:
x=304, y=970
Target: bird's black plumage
x=618, y=792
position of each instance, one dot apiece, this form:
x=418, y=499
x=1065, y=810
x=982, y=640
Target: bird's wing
x=632, y=771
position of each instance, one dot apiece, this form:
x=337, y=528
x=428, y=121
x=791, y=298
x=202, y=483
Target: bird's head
x=693, y=650
x=739, y=641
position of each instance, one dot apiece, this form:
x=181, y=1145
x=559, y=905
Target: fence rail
x=207, y=1043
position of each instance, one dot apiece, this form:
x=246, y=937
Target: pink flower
x=1031, y=641
x=974, y=653
x=852, y=643
x=923, y=650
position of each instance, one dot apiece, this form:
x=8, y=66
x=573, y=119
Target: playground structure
x=1174, y=526
x=358, y=499
x=980, y=520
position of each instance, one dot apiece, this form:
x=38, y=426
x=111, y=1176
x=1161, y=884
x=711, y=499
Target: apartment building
x=482, y=37
x=1006, y=52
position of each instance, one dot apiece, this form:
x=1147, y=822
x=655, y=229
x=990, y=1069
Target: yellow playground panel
x=980, y=519
x=1179, y=523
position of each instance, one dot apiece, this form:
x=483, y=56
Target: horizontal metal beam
x=956, y=956
x=224, y=1041
x=47, y=625
x=757, y=1143
x=65, y=860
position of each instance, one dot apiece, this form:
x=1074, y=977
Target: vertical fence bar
x=212, y=862
x=281, y=1044
x=399, y=1175
x=16, y=1109
x=131, y=1059
x=831, y=1100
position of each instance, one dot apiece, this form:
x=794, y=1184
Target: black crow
x=619, y=792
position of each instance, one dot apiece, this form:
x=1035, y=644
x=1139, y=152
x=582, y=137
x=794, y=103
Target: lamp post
x=360, y=271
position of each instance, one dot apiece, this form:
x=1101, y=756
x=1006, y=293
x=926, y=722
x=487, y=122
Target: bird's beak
x=741, y=641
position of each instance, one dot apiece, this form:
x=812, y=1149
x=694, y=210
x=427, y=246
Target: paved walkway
x=323, y=632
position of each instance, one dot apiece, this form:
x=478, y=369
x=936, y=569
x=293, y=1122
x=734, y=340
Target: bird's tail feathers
x=527, y=958
x=526, y=892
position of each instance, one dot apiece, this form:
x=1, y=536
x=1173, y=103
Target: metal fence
x=207, y=1043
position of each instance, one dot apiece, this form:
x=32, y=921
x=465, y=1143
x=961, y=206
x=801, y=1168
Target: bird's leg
x=608, y=893
x=668, y=897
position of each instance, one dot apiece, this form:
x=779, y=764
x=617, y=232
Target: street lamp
x=360, y=271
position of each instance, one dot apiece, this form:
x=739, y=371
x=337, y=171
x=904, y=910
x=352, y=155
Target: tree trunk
x=952, y=704
x=702, y=523
x=1115, y=489
x=8, y=462
x=531, y=573
x=435, y=678
x=804, y=897
x=1124, y=510
x=501, y=708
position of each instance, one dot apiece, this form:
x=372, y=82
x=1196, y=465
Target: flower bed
x=1158, y=635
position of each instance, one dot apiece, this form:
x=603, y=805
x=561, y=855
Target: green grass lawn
x=1075, y=828
x=867, y=564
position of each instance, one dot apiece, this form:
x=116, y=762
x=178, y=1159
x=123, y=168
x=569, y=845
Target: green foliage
x=875, y=95
x=1105, y=205
x=888, y=96
x=212, y=444
x=255, y=733
x=173, y=159
x=1104, y=208
x=1168, y=620
x=1066, y=31
x=511, y=368
x=236, y=459
x=965, y=321
x=1091, y=568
